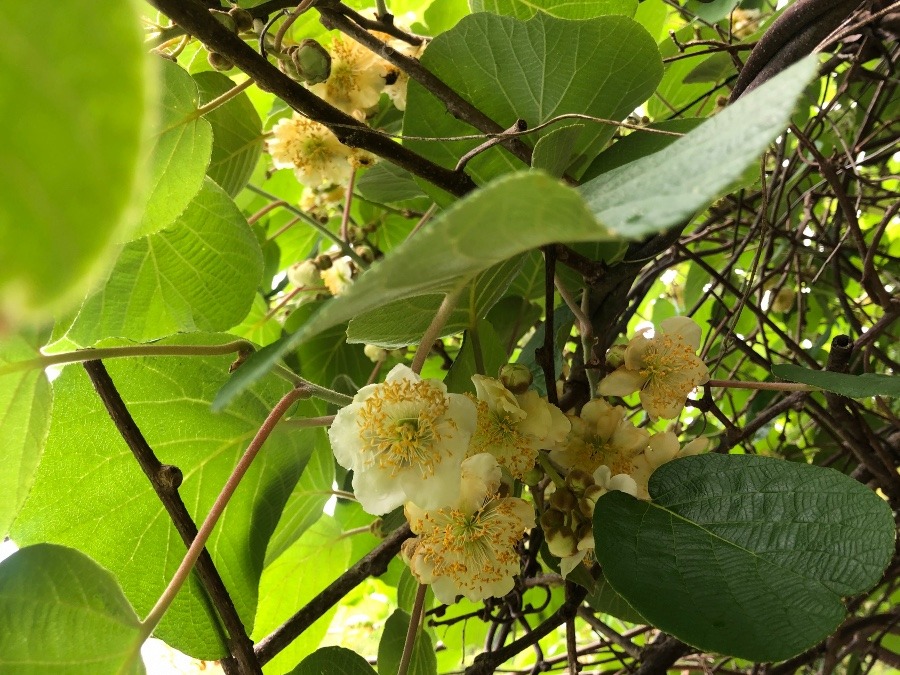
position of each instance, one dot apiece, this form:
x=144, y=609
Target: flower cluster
x=313, y=152
x=451, y=459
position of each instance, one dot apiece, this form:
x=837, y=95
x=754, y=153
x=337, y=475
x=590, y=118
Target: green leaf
x=334, y=661
x=307, y=501
x=74, y=114
x=200, y=274
x=91, y=495
x=664, y=188
x=387, y=183
x=390, y=649
x=295, y=578
x=556, y=151
x=258, y=326
x=403, y=322
x=603, y=598
x=61, y=613
x=26, y=400
x=533, y=71
x=493, y=356
x=744, y=555
x=237, y=133
x=853, y=386
x=181, y=153
x=488, y=226
x=561, y=9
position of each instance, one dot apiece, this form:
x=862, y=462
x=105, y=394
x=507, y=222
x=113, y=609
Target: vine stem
x=413, y=629
x=97, y=354
x=771, y=386
x=448, y=304
x=223, y=99
x=203, y=534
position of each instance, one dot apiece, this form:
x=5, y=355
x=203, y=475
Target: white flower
x=356, y=79
x=397, y=80
x=513, y=428
x=311, y=149
x=404, y=440
x=661, y=448
x=469, y=548
x=304, y=274
x=664, y=368
x=601, y=435
x=339, y=276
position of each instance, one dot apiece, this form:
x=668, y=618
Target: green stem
x=476, y=350
x=221, y=100
x=346, y=249
x=550, y=470
x=307, y=422
x=770, y=386
x=434, y=329
x=412, y=631
x=184, y=570
x=81, y=355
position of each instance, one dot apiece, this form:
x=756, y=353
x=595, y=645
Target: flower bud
x=312, y=61
x=578, y=481
x=219, y=62
x=615, y=357
x=784, y=300
x=375, y=353
x=562, y=542
x=225, y=19
x=365, y=252
x=586, y=507
x=533, y=476
x=516, y=377
x=304, y=274
x=552, y=520
x=563, y=500
x=593, y=493
x=242, y=18
x=323, y=262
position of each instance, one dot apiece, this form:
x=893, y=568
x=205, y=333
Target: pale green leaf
x=63, y=614
x=237, y=133
x=744, y=555
x=853, y=386
x=295, y=578
x=26, y=400
x=662, y=189
x=561, y=9
x=390, y=648
x=90, y=493
x=183, y=144
x=490, y=225
x=534, y=71
x=200, y=274
x=75, y=117
x=334, y=661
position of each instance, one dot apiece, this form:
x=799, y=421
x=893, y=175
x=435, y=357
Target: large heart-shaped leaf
x=199, y=274
x=90, y=493
x=26, y=400
x=61, y=613
x=562, y=9
x=73, y=110
x=744, y=555
x=853, y=386
x=535, y=70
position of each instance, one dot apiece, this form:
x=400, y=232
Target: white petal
x=684, y=327
x=377, y=492
x=343, y=434
x=621, y=382
x=569, y=563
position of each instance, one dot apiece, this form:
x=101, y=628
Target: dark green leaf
x=237, y=133
x=390, y=648
x=61, y=613
x=853, y=386
x=554, y=152
x=334, y=661
x=744, y=555
x=493, y=356
x=387, y=183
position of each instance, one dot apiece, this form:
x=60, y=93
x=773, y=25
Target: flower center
x=401, y=424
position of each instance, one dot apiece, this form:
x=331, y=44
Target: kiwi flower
x=513, y=428
x=664, y=368
x=661, y=448
x=469, y=548
x=311, y=150
x=404, y=439
x=356, y=79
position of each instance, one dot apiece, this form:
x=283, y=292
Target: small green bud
x=219, y=62
x=533, y=476
x=615, y=357
x=552, y=520
x=579, y=481
x=516, y=377
x=312, y=61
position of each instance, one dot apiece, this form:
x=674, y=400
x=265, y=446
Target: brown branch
x=196, y=20
x=373, y=564
x=165, y=480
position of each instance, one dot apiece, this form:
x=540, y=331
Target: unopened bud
x=375, y=353
x=242, y=18
x=323, y=262
x=312, y=61
x=516, y=377
x=579, y=480
x=563, y=500
x=615, y=357
x=586, y=507
x=552, y=520
x=304, y=274
x=784, y=300
x=562, y=542
x=533, y=476
x=225, y=19
x=219, y=62
x=365, y=252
